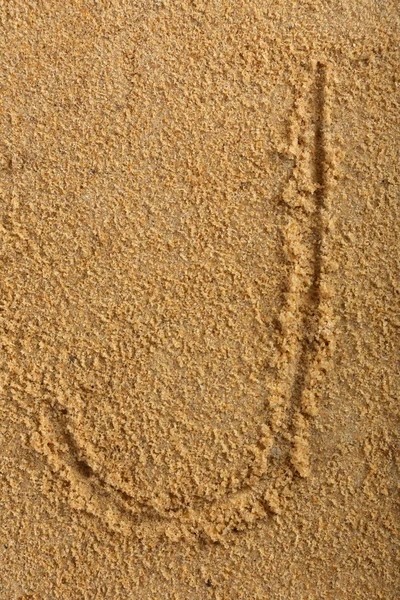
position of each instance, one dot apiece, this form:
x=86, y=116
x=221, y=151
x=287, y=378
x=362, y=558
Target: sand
x=199, y=300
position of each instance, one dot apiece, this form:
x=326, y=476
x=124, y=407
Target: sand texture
x=199, y=313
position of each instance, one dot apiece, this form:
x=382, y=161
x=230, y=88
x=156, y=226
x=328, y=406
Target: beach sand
x=199, y=323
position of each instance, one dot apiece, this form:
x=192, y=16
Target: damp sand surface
x=200, y=300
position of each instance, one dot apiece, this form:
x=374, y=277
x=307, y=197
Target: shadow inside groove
x=309, y=346
x=319, y=164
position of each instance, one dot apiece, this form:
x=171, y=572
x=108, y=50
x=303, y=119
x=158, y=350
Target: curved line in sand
x=291, y=397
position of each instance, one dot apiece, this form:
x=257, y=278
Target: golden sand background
x=199, y=314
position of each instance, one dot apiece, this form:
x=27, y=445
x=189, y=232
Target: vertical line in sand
x=320, y=165
x=314, y=354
